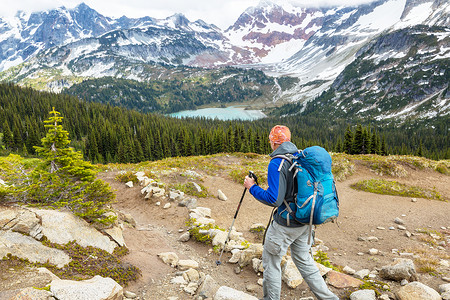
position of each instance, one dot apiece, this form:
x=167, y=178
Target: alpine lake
x=227, y=113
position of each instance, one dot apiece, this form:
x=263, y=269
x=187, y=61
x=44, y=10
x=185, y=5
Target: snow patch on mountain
x=417, y=15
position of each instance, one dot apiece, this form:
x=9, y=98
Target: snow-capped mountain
x=24, y=35
x=57, y=48
x=346, y=30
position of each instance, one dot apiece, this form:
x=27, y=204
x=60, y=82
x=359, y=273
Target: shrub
x=124, y=177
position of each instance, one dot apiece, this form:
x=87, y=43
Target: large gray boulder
x=96, y=288
x=400, y=269
x=208, y=287
x=417, y=291
x=62, y=227
x=26, y=247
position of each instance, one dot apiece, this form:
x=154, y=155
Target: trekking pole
x=251, y=175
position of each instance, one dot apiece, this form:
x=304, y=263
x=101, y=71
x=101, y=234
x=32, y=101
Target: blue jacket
x=281, y=186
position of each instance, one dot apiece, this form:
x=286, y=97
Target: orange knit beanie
x=280, y=134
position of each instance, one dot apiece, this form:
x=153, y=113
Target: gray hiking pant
x=278, y=239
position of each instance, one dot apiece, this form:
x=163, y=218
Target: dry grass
x=427, y=259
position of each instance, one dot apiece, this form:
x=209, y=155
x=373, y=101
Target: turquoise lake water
x=228, y=113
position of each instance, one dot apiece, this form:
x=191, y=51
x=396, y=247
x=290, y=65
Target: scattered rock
x=116, y=234
x=322, y=269
x=129, y=184
x=404, y=282
x=178, y=280
x=400, y=269
x=127, y=218
x=191, y=288
x=221, y=195
x=373, y=251
x=290, y=274
x=257, y=265
x=363, y=295
x=235, y=255
x=380, y=228
x=167, y=205
x=170, y=258
x=372, y=239
x=384, y=297
x=208, y=287
x=417, y=290
x=413, y=200
x=342, y=281
x=444, y=288
x=92, y=289
x=348, y=270
x=446, y=279
x=191, y=275
x=391, y=228
x=260, y=282
x=401, y=227
x=129, y=294
x=227, y=293
x=362, y=273
x=408, y=234
x=185, y=237
x=399, y=221
x=185, y=264
x=190, y=203
x=197, y=187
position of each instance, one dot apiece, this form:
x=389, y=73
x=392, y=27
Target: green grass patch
x=370, y=284
x=387, y=187
x=89, y=261
x=322, y=258
x=126, y=176
x=190, y=189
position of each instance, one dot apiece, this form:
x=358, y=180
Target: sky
x=222, y=13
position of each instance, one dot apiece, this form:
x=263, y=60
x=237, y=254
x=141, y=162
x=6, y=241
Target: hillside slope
x=361, y=215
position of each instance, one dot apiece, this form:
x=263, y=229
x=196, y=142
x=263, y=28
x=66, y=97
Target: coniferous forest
x=114, y=134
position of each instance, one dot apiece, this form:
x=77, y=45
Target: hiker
x=282, y=233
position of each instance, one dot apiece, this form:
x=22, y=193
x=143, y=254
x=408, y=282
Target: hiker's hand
x=248, y=182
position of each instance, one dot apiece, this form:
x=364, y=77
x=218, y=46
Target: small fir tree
x=64, y=179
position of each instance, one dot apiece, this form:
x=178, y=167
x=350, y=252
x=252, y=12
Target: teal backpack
x=315, y=194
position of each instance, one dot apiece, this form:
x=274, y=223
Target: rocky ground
x=372, y=230
x=367, y=223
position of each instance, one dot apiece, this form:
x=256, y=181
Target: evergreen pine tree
x=383, y=149
x=348, y=141
x=7, y=136
x=358, y=140
x=65, y=179
x=420, y=149
x=374, y=143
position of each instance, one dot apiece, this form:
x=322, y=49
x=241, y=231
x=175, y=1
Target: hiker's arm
x=271, y=196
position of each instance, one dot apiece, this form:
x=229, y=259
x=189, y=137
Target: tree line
x=105, y=134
